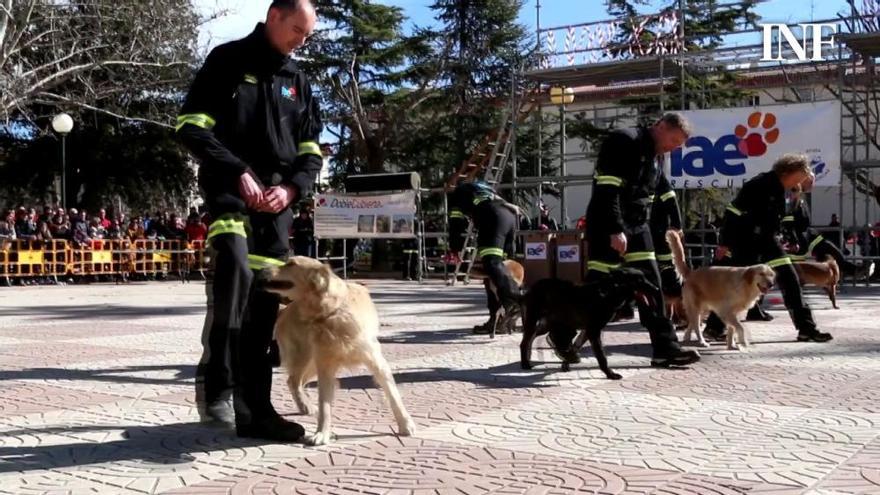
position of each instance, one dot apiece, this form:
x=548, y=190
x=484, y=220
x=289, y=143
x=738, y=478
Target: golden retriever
x=329, y=325
x=824, y=274
x=725, y=290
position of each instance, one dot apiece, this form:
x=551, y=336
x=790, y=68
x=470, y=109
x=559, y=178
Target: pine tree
x=371, y=77
x=487, y=46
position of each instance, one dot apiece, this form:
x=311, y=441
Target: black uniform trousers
x=304, y=248
x=495, y=226
x=602, y=259
x=768, y=251
x=241, y=314
x=411, y=261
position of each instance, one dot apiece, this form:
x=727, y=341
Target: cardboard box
x=569, y=255
x=538, y=260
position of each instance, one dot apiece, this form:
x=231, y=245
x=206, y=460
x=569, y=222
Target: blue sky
x=243, y=14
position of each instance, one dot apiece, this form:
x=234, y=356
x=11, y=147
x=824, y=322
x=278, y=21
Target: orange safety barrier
x=151, y=257
x=61, y=258
x=94, y=258
x=33, y=258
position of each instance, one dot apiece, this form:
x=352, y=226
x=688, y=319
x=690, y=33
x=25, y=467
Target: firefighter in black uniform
x=495, y=220
x=627, y=174
x=665, y=215
x=410, y=259
x=251, y=120
x=303, y=228
x=797, y=230
x=749, y=234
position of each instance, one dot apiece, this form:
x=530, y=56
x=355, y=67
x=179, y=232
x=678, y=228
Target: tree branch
x=95, y=65
x=59, y=98
x=5, y=17
x=62, y=59
x=25, y=24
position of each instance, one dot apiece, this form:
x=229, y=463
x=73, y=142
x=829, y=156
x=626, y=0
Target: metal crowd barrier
x=61, y=258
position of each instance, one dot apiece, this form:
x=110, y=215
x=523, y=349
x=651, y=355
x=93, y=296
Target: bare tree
x=126, y=58
x=375, y=129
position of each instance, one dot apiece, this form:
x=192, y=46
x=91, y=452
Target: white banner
x=356, y=216
x=730, y=146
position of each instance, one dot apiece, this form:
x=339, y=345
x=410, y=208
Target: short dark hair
x=677, y=121
x=287, y=5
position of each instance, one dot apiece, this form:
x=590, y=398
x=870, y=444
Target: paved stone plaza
x=97, y=397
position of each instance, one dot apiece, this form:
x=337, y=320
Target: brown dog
x=824, y=274
x=518, y=273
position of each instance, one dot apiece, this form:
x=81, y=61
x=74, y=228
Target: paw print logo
x=820, y=168
x=759, y=133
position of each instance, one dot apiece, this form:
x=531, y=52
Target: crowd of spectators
x=79, y=227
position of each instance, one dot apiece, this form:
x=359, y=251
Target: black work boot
x=675, y=358
x=813, y=335
x=715, y=329
x=218, y=412
x=485, y=328
x=274, y=428
x=757, y=313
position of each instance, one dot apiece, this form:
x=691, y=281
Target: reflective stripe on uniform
x=797, y=257
x=788, y=218
x=228, y=225
x=250, y=78
x=639, y=256
x=202, y=120
x=601, y=266
x=779, y=262
x=664, y=257
x=490, y=251
x=815, y=243
x=667, y=195
x=480, y=199
x=308, y=148
x=456, y=213
x=608, y=180
x=257, y=262
x=734, y=210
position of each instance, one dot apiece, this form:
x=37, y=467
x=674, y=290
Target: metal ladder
x=488, y=163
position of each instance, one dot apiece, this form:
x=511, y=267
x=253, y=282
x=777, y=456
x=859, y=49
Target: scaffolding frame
x=850, y=67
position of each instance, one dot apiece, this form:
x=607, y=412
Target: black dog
x=565, y=307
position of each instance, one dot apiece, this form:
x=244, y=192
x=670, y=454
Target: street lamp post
x=562, y=96
x=63, y=124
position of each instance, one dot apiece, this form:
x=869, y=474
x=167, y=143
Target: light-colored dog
x=725, y=290
x=824, y=274
x=330, y=325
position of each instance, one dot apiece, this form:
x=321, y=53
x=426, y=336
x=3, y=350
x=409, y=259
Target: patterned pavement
x=97, y=397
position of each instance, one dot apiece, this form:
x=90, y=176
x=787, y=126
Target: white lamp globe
x=561, y=95
x=62, y=123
